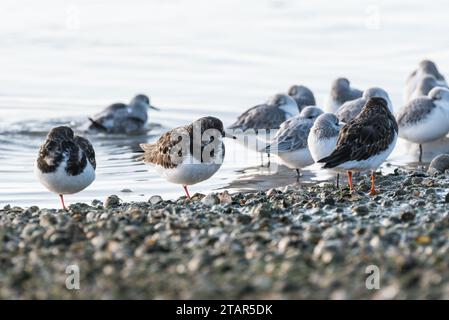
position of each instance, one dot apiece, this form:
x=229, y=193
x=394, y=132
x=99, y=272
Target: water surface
x=64, y=60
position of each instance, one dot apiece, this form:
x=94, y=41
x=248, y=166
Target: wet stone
x=211, y=199
x=112, y=201
x=439, y=164
x=360, y=210
x=155, y=199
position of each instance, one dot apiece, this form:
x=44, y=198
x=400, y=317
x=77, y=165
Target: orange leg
x=350, y=180
x=186, y=191
x=62, y=201
x=373, y=189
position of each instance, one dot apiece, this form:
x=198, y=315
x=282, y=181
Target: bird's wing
x=162, y=152
x=415, y=111
x=87, y=148
x=105, y=120
x=259, y=117
x=291, y=138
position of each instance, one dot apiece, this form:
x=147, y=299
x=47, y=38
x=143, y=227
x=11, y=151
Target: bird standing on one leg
x=425, y=119
x=365, y=142
x=66, y=162
x=188, y=154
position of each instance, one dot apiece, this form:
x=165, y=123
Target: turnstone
x=290, y=142
x=269, y=115
x=350, y=109
x=365, y=142
x=425, y=68
x=425, y=119
x=188, y=154
x=323, y=136
x=66, y=162
x=341, y=92
x=303, y=96
x=123, y=118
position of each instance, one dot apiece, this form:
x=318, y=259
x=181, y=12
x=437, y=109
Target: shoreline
x=295, y=242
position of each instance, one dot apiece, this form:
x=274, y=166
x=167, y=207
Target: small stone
x=400, y=192
x=262, y=210
x=46, y=220
x=360, y=210
x=243, y=218
x=90, y=216
x=96, y=203
x=416, y=180
x=104, y=216
x=225, y=197
x=272, y=192
x=423, y=240
x=126, y=190
x=439, y=164
x=112, y=201
x=446, y=198
x=386, y=203
x=407, y=216
x=211, y=199
x=155, y=199
x=329, y=201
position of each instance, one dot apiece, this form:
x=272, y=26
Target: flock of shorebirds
x=356, y=131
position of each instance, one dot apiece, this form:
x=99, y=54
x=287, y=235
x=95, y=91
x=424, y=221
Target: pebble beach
x=295, y=242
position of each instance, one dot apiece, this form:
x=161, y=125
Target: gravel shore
x=293, y=243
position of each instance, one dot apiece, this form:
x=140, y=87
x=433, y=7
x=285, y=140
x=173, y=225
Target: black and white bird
x=188, y=154
x=352, y=108
x=66, y=162
x=425, y=68
x=425, y=119
x=323, y=136
x=290, y=142
x=341, y=91
x=123, y=118
x=268, y=115
x=303, y=96
x=424, y=86
x=365, y=142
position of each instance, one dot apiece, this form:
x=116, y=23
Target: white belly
x=61, y=183
x=297, y=159
x=189, y=173
x=434, y=127
x=371, y=163
x=321, y=148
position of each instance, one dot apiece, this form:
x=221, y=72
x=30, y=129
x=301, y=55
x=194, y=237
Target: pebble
x=360, y=210
x=211, y=199
x=439, y=164
x=155, y=199
x=112, y=201
x=307, y=244
x=225, y=197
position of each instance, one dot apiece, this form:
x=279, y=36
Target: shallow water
x=62, y=61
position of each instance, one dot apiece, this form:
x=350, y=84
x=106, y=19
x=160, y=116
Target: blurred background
x=61, y=61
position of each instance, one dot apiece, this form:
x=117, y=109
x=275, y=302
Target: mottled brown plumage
x=368, y=134
x=163, y=151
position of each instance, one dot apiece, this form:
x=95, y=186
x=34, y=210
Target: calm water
x=64, y=60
